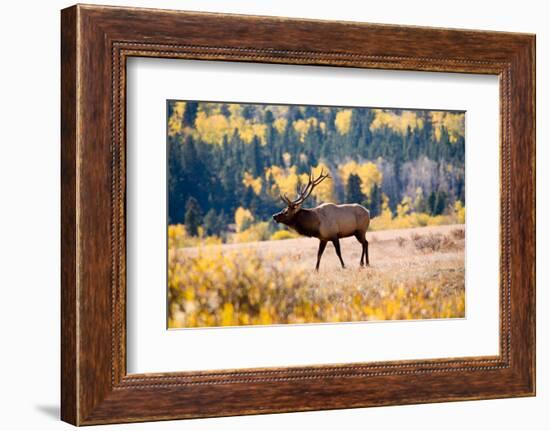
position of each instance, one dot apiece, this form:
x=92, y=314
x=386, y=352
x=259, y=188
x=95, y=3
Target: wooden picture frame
x=95, y=43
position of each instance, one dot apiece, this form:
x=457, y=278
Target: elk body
x=328, y=222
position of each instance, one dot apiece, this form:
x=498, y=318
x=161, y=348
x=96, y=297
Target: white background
x=29, y=225
x=151, y=348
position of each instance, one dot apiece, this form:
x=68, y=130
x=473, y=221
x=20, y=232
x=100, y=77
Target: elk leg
x=322, y=245
x=336, y=243
x=366, y=246
x=361, y=240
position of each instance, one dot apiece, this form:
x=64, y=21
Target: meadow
x=415, y=273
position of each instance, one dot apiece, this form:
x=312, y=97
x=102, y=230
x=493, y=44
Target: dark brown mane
x=306, y=223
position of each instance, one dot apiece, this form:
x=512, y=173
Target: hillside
x=226, y=157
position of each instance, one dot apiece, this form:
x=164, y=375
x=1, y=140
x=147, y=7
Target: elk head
x=293, y=206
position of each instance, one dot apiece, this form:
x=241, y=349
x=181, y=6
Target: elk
x=327, y=222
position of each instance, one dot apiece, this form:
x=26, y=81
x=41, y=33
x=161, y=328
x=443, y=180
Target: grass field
x=413, y=274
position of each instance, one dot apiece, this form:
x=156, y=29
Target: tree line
x=222, y=157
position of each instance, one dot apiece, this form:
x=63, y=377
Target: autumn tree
x=190, y=114
x=375, y=201
x=440, y=203
x=353, y=190
x=431, y=202
x=211, y=223
x=192, y=216
x=243, y=219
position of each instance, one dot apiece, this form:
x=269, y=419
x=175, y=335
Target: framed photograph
x=264, y=215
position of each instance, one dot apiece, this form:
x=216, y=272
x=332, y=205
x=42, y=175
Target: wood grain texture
x=96, y=41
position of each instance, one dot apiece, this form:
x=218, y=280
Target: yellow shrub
x=213, y=240
x=242, y=218
x=256, y=232
x=440, y=220
x=460, y=212
x=283, y=234
x=385, y=220
x=213, y=287
x=179, y=238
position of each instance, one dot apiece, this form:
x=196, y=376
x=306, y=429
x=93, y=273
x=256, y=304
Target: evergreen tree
x=170, y=108
x=353, y=190
x=176, y=182
x=190, y=114
x=431, y=203
x=331, y=120
x=311, y=111
x=355, y=133
x=254, y=159
x=420, y=203
x=189, y=155
x=248, y=112
x=375, y=201
x=211, y=223
x=192, y=216
x=224, y=109
x=268, y=117
x=440, y=203
x=294, y=113
x=248, y=197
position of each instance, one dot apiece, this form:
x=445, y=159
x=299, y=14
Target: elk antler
x=285, y=199
x=305, y=191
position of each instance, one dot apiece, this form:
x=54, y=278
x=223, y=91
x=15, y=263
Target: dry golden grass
x=273, y=282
